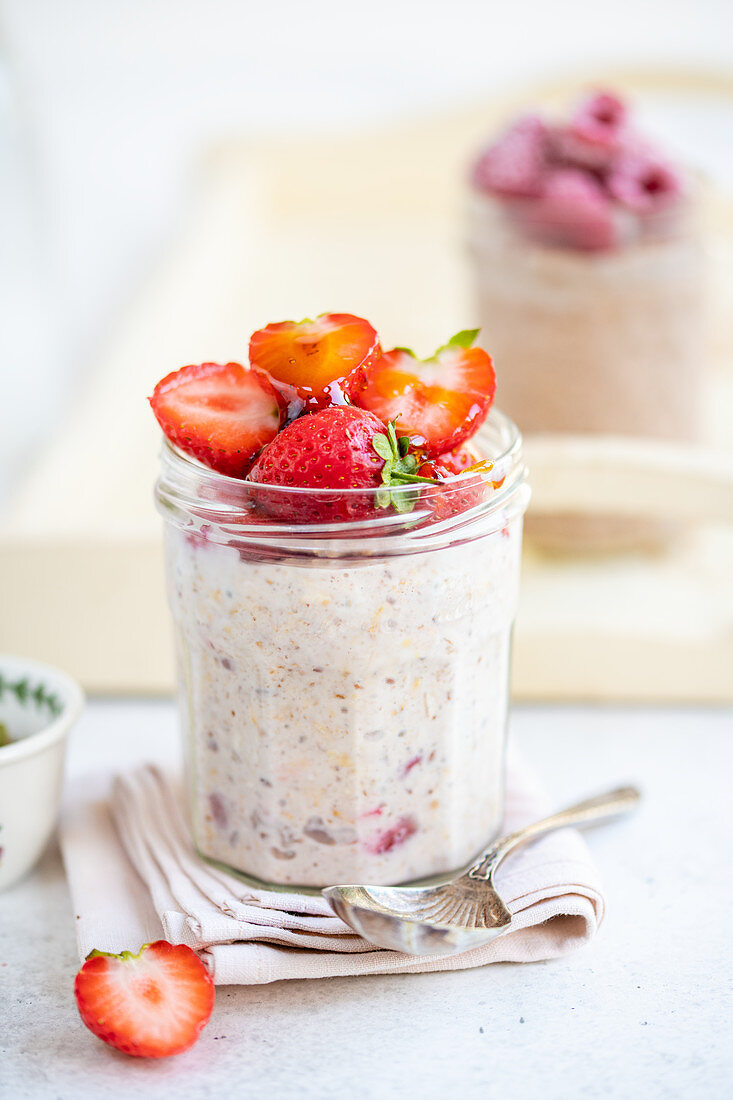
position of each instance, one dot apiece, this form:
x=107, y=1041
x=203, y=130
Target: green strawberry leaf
x=398, y=470
x=382, y=446
x=404, y=502
x=463, y=339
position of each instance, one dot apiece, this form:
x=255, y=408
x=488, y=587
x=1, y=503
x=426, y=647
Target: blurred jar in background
x=587, y=271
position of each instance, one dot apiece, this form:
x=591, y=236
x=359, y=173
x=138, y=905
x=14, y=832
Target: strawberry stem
x=398, y=470
x=408, y=479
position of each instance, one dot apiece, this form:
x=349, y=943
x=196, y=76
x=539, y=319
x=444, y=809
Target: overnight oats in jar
x=343, y=611
x=588, y=281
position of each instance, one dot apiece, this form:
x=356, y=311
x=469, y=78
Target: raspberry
x=594, y=135
x=515, y=164
x=643, y=183
x=573, y=212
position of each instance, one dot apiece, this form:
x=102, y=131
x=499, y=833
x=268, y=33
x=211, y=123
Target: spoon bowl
x=467, y=911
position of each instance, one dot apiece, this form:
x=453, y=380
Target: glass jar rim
x=225, y=509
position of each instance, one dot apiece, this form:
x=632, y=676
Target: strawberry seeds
x=321, y=406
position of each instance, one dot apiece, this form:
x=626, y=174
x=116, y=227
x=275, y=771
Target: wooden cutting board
x=371, y=225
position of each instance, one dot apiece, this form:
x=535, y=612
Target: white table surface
x=644, y=1011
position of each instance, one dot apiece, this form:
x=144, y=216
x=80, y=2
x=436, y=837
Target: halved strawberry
x=150, y=1005
x=223, y=415
x=315, y=357
x=439, y=402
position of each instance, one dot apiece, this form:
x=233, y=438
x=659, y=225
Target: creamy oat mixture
x=345, y=722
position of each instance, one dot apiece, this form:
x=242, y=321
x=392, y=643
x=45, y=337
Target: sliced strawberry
x=315, y=357
x=222, y=415
x=439, y=402
x=150, y=1005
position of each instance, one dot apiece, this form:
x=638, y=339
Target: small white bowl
x=38, y=706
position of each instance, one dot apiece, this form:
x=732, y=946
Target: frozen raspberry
x=514, y=165
x=573, y=212
x=642, y=183
x=594, y=135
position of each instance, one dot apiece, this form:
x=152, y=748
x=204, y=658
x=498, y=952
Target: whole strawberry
x=150, y=1005
x=338, y=451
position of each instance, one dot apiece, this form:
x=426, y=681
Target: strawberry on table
x=438, y=402
x=220, y=414
x=150, y=1005
x=314, y=357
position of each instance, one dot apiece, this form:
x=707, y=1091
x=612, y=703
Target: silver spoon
x=465, y=912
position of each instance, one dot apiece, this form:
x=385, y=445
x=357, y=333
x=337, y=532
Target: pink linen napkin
x=134, y=877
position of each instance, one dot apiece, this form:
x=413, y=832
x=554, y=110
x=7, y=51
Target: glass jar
x=607, y=341
x=344, y=686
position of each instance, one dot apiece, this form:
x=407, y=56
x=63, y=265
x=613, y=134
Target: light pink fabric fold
x=134, y=876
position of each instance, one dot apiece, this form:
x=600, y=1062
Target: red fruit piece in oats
x=413, y=763
x=378, y=844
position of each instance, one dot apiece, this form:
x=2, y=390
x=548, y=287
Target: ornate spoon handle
x=592, y=809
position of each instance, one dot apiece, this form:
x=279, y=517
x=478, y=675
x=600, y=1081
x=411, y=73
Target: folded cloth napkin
x=134, y=877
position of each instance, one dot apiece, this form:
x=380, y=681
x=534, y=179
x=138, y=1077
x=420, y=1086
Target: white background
x=105, y=106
